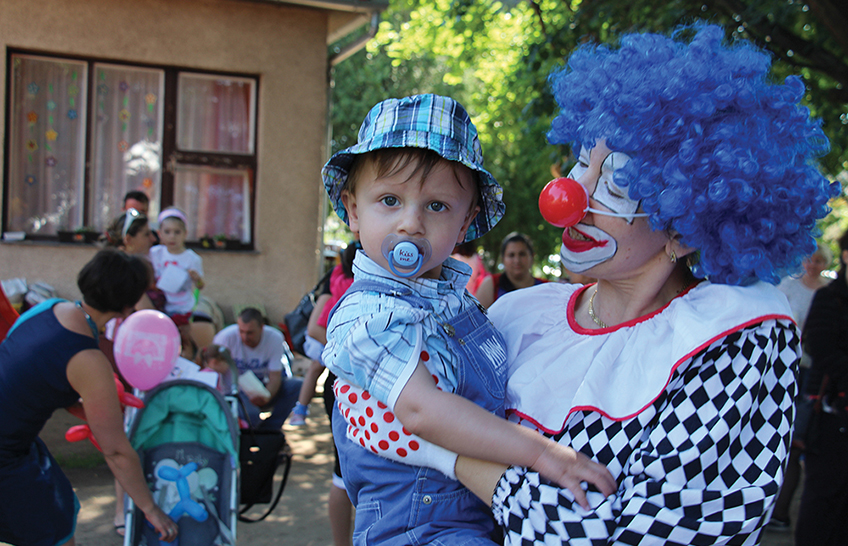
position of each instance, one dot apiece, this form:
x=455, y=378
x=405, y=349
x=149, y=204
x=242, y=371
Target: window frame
x=172, y=157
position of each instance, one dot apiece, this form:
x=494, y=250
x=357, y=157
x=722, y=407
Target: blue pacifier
x=406, y=255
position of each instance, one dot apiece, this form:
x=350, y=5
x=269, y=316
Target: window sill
x=48, y=242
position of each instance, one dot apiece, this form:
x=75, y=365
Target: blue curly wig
x=719, y=154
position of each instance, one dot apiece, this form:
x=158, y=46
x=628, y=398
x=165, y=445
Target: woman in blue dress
x=50, y=360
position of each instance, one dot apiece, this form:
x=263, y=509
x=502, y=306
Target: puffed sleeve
x=374, y=341
x=703, y=467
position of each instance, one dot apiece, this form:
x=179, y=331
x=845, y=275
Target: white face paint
x=584, y=246
x=606, y=192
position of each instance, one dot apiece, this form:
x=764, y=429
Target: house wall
x=285, y=45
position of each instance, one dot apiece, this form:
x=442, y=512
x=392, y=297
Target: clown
x=694, y=190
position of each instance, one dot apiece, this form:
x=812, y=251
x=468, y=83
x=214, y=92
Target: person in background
x=799, y=290
x=339, y=507
x=131, y=233
x=517, y=259
x=823, y=515
x=259, y=349
x=338, y=283
x=467, y=252
x=179, y=271
x=50, y=360
x=138, y=200
x=218, y=359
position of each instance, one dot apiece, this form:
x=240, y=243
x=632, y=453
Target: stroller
x=187, y=439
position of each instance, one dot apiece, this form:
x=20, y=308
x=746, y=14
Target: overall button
x=427, y=499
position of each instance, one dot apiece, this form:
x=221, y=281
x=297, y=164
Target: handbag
x=297, y=320
x=261, y=453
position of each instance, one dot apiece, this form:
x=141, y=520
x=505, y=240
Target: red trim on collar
x=686, y=357
x=572, y=321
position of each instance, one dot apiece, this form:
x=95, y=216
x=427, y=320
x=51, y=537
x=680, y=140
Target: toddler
x=178, y=269
x=407, y=331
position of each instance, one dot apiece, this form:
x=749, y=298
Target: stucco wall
x=285, y=45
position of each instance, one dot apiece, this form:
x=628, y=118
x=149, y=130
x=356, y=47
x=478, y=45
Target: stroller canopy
x=185, y=411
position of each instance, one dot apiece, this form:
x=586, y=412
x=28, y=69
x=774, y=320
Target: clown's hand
x=371, y=425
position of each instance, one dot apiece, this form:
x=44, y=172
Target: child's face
x=218, y=365
x=437, y=209
x=172, y=233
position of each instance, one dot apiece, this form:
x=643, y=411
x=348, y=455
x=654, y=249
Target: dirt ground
x=299, y=519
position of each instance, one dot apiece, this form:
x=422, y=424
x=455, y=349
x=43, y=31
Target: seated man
x=259, y=349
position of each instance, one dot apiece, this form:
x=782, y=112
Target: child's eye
x=437, y=207
x=389, y=200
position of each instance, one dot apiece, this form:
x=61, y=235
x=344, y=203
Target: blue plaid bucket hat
x=421, y=121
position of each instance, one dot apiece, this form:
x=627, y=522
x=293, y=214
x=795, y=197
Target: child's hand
x=371, y=425
x=196, y=278
x=569, y=468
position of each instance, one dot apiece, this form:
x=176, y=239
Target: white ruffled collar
x=617, y=371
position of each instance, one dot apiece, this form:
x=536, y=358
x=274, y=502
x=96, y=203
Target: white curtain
x=126, y=138
x=216, y=201
x=47, y=144
x=215, y=114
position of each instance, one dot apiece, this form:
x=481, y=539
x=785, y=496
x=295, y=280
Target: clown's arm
x=708, y=471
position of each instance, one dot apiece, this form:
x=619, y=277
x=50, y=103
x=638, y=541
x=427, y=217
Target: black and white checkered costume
x=701, y=464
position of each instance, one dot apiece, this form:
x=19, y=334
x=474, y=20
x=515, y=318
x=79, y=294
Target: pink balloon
x=146, y=347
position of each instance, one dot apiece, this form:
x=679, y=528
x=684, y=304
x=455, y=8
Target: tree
x=494, y=57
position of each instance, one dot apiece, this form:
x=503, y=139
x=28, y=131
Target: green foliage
x=494, y=58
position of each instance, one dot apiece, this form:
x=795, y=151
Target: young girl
x=218, y=359
x=178, y=269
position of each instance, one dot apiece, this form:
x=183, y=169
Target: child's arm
x=460, y=425
x=196, y=279
x=195, y=271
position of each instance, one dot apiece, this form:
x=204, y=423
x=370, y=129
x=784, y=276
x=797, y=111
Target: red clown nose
x=563, y=202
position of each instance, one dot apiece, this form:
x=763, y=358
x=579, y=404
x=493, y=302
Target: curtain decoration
x=127, y=138
x=46, y=152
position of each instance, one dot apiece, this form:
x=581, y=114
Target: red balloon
x=126, y=398
x=563, y=202
x=81, y=432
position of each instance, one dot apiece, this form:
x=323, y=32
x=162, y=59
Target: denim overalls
x=397, y=504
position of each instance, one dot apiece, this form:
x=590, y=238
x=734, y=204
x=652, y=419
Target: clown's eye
x=614, y=191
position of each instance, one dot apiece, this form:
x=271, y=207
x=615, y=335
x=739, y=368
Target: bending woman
x=49, y=360
x=677, y=370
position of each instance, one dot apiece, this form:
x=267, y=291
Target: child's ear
x=349, y=202
x=472, y=214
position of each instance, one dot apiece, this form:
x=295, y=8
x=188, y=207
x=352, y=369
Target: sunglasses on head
x=131, y=216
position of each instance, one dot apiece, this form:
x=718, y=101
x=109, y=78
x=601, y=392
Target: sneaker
x=776, y=524
x=298, y=415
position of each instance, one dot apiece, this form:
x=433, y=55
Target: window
x=82, y=133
